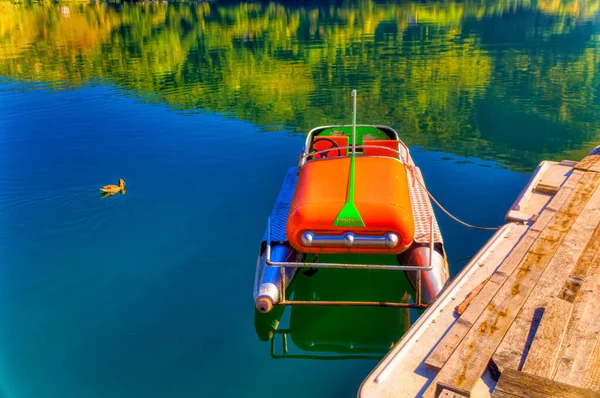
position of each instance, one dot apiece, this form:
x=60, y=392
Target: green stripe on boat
x=349, y=215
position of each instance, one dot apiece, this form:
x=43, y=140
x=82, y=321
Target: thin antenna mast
x=354, y=122
x=349, y=215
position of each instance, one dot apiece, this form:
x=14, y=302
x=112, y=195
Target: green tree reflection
x=512, y=81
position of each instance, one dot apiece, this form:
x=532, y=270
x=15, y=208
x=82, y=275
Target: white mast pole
x=354, y=123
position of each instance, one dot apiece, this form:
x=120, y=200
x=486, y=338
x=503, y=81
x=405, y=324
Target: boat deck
x=523, y=317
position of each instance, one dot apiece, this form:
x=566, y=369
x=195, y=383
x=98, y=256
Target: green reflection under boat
x=338, y=332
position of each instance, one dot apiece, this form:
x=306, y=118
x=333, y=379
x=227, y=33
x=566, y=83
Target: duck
x=113, y=189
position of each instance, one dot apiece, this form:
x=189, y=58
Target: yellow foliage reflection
x=431, y=70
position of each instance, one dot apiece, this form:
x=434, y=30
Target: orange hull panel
x=381, y=197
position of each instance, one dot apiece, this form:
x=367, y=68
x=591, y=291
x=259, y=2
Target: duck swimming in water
x=109, y=190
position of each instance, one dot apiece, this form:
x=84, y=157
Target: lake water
x=200, y=108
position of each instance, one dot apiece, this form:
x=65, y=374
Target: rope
x=464, y=259
x=415, y=178
x=442, y=207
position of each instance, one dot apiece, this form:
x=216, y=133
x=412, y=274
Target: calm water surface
x=200, y=108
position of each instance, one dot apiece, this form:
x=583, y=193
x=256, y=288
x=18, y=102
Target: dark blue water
x=201, y=109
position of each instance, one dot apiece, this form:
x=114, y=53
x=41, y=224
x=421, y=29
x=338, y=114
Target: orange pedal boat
x=355, y=191
x=381, y=198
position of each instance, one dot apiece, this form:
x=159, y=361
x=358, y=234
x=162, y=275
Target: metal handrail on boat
x=293, y=264
x=313, y=153
x=311, y=134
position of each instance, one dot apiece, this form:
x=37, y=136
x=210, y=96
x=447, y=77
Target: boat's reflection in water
x=338, y=332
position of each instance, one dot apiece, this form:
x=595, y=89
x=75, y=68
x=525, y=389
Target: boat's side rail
x=401, y=156
x=293, y=264
x=317, y=130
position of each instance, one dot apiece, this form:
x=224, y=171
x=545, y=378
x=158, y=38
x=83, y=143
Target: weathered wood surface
x=571, y=287
x=454, y=336
x=543, y=354
x=585, y=272
x=470, y=297
x=518, y=384
x=469, y=360
x=592, y=378
x=577, y=355
x=557, y=201
x=590, y=162
x=459, y=329
x=583, y=233
x=449, y=394
x=547, y=188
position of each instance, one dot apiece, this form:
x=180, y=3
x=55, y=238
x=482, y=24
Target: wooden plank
x=582, y=338
x=547, y=188
x=521, y=384
x=579, y=289
x=502, y=394
x=542, y=251
x=471, y=357
x=586, y=266
x=592, y=378
x=454, y=336
x=590, y=162
x=573, y=367
x=510, y=353
x=557, y=201
x=459, y=329
x=542, y=356
x=449, y=394
x=460, y=309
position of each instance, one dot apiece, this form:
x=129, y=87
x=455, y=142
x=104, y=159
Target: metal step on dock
x=523, y=317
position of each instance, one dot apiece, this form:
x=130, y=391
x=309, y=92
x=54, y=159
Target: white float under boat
x=355, y=195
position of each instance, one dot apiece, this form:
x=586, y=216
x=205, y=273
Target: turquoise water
x=200, y=109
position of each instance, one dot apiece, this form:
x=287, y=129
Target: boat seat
x=371, y=151
x=381, y=196
x=323, y=143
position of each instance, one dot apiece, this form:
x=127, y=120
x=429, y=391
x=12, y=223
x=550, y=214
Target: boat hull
x=380, y=198
x=433, y=281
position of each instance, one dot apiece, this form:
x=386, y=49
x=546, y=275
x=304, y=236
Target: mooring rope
x=442, y=207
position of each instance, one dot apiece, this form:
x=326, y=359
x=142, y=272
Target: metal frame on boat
x=417, y=269
x=311, y=134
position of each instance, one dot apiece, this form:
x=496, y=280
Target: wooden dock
x=539, y=313
x=534, y=323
